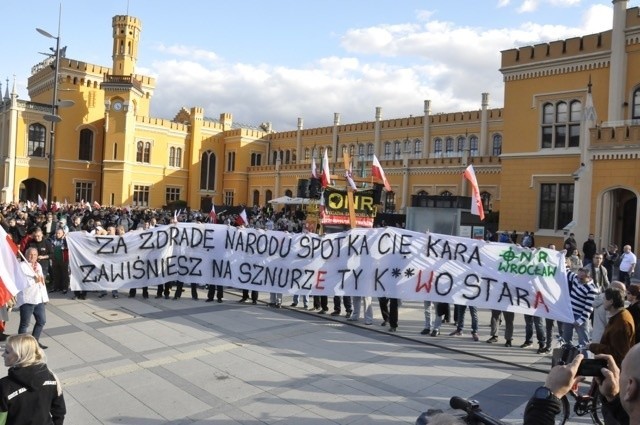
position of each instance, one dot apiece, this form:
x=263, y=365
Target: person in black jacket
x=30, y=393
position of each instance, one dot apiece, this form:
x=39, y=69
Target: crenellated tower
x=126, y=37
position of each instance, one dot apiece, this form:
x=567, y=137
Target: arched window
x=390, y=202
x=288, y=193
x=268, y=195
x=460, y=146
x=437, y=147
x=635, y=111
x=448, y=147
x=473, y=146
x=497, y=145
x=417, y=148
x=85, y=145
x=561, y=124
x=446, y=193
x=423, y=193
x=361, y=150
x=172, y=157
x=287, y=157
x=146, y=155
x=307, y=154
x=139, y=151
x=208, y=171
x=397, y=150
x=256, y=198
x=352, y=151
x=387, y=150
x=274, y=154
x=370, y=152
x=178, y=157
x=407, y=146
x=37, y=139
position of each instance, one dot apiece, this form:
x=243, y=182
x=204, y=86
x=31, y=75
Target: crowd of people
x=606, y=310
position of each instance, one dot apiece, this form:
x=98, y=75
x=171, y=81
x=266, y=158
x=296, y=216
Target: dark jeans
x=38, y=311
x=145, y=292
x=194, y=290
x=531, y=322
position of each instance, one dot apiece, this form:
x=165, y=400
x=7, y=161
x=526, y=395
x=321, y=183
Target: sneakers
x=492, y=339
x=435, y=332
x=508, y=343
x=456, y=333
x=425, y=331
x=526, y=344
x=293, y=305
x=544, y=350
x=383, y=323
x=475, y=336
x=393, y=329
x=335, y=313
x=348, y=314
x=352, y=319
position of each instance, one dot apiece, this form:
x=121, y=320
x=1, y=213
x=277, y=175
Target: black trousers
x=145, y=292
x=194, y=290
x=389, y=310
x=211, y=293
x=324, y=302
x=337, y=303
x=245, y=295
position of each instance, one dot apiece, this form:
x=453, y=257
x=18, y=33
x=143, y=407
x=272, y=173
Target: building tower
x=126, y=37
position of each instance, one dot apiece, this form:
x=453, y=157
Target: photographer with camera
x=620, y=388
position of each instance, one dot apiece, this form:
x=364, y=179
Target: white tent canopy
x=287, y=200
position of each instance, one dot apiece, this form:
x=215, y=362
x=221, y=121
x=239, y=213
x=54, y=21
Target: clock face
x=117, y=106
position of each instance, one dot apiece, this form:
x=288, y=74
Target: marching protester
x=32, y=299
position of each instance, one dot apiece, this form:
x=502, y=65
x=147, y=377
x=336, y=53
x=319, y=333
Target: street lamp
x=53, y=117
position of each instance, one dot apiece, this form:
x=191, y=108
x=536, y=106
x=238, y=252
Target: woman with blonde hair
x=30, y=393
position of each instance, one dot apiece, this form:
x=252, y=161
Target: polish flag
x=42, y=204
x=12, y=278
x=242, y=218
x=314, y=170
x=326, y=173
x=476, y=200
x=96, y=205
x=212, y=214
x=377, y=171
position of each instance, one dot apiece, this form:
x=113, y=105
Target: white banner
x=382, y=262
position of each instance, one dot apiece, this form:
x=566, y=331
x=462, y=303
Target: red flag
x=12, y=279
x=377, y=171
x=476, y=200
x=96, y=205
x=212, y=214
x=326, y=173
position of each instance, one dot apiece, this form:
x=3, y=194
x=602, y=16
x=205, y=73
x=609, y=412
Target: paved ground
x=157, y=361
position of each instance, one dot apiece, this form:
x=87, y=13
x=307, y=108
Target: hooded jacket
x=30, y=396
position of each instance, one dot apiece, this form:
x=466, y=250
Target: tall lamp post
x=54, y=118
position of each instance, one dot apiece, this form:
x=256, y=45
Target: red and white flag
x=42, y=204
x=96, y=205
x=12, y=278
x=243, y=217
x=212, y=214
x=314, y=169
x=377, y=171
x=326, y=173
x=476, y=200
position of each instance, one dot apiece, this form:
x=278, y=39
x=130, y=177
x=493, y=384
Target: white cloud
x=528, y=6
x=503, y=3
x=395, y=67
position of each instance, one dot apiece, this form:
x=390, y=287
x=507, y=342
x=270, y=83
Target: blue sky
x=277, y=60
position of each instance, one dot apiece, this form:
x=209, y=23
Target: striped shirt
x=582, y=297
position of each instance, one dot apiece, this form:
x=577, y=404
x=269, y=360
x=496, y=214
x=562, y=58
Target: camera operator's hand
x=610, y=384
x=562, y=377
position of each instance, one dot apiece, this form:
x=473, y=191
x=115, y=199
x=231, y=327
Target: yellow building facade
x=542, y=161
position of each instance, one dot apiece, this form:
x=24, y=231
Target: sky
x=279, y=60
